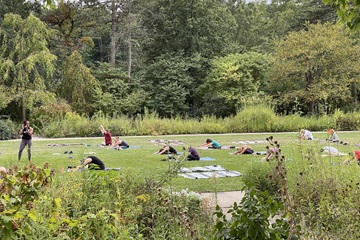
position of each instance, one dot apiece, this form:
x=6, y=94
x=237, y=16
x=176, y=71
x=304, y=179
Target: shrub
x=259, y=118
x=7, y=130
x=258, y=177
x=251, y=219
x=49, y=113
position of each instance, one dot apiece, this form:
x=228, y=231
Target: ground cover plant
x=323, y=191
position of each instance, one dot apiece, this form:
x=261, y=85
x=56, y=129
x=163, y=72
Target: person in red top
x=356, y=157
x=107, y=135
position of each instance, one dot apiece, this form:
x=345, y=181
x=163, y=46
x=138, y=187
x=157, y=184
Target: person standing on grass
x=26, y=140
x=211, y=143
x=107, y=135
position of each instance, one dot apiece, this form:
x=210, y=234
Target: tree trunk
x=113, y=34
x=129, y=54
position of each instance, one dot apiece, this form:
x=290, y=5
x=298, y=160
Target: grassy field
x=141, y=161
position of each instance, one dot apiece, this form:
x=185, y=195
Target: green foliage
x=324, y=191
x=60, y=122
x=95, y=204
x=236, y=77
x=7, y=130
x=258, y=176
x=250, y=218
x=347, y=11
x=169, y=84
x=118, y=94
x=195, y=27
x=308, y=61
x=79, y=85
x=348, y=121
x=19, y=192
x=51, y=112
x=25, y=59
x=254, y=118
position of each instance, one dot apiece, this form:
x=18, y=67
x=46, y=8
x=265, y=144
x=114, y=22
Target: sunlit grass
x=142, y=162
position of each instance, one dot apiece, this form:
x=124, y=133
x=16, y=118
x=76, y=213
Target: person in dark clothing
x=26, y=131
x=193, y=154
x=120, y=144
x=94, y=163
x=167, y=150
x=245, y=149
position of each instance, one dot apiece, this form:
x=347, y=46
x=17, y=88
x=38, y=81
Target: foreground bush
x=36, y=204
x=319, y=195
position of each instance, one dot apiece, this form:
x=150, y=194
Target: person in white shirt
x=305, y=135
x=333, y=137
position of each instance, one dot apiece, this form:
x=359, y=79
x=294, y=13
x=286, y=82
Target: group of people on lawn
x=26, y=131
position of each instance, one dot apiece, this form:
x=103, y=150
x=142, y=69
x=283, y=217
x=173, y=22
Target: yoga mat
x=204, y=175
x=135, y=147
x=259, y=153
x=115, y=169
x=207, y=159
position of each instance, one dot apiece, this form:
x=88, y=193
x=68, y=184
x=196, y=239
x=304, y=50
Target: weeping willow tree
x=79, y=86
x=25, y=61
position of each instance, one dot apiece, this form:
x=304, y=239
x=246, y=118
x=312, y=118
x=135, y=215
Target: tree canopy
x=176, y=57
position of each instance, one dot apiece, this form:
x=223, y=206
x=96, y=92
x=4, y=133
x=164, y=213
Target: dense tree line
x=185, y=57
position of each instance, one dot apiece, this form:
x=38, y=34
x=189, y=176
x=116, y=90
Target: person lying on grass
x=211, y=143
x=245, y=149
x=93, y=163
x=166, y=150
x=120, y=144
x=354, y=157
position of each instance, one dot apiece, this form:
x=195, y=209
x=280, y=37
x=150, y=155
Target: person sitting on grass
x=245, y=149
x=93, y=163
x=193, y=154
x=305, y=135
x=166, y=150
x=211, y=144
x=333, y=137
x=107, y=135
x=120, y=144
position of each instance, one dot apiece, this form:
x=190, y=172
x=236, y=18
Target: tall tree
x=118, y=95
x=79, y=85
x=19, y=7
x=315, y=67
x=347, y=11
x=25, y=60
x=236, y=77
x=205, y=27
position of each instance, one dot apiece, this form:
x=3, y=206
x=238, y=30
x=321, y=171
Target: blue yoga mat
x=207, y=159
x=135, y=147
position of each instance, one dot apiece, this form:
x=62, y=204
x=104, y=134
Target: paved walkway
x=224, y=199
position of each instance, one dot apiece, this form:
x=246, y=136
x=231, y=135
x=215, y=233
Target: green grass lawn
x=141, y=161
